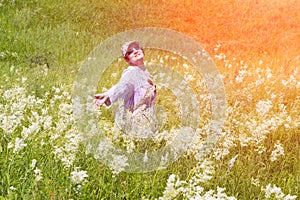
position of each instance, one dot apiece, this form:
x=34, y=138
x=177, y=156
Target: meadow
x=254, y=44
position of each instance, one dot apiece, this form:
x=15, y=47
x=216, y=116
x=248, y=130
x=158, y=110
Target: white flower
x=145, y=158
x=38, y=174
x=274, y=191
x=23, y=80
x=278, y=151
x=289, y=197
x=221, y=56
x=118, y=163
x=33, y=163
x=287, y=126
x=232, y=161
x=67, y=152
x=103, y=149
x=241, y=75
x=10, y=145
x=268, y=73
x=263, y=107
x=284, y=82
x=192, y=189
x=259, y=82
x=12, y=188
x=19, y=145
x=189, y=77
x=56, y=90
x=78, y=177
x=186, y=66
x=170, y=192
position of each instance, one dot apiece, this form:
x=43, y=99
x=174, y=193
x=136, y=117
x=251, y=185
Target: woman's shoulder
x=131, y=71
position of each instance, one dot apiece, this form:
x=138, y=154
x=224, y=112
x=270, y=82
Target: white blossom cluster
x=25, y=116
x=278, y=151
x=37, y=172
x=78, y=178
x=276, y=192
x=193, y=188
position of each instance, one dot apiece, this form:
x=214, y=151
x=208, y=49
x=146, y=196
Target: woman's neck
x=140, y=65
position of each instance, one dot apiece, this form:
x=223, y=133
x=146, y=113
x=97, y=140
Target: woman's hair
x=126, y=55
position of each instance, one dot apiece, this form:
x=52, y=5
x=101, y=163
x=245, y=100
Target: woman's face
x=135, y=55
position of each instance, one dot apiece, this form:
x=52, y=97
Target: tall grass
x=255, y=45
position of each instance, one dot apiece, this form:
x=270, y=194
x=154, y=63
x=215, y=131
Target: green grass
x=47, y=41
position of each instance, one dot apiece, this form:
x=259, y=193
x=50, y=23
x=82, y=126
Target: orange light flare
x=250, y=30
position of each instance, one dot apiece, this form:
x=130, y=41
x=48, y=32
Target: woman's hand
x=101, y=99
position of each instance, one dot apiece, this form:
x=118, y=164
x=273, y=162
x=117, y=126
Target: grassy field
x=255, y=46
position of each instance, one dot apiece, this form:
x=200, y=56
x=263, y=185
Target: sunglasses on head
x=131, y=50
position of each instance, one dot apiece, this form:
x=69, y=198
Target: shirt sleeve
x=123, y=89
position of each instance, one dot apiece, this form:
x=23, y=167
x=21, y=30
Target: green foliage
x=46, y=42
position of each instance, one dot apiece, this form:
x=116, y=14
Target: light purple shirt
x=135, y=88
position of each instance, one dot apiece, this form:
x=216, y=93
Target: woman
x=138, y=93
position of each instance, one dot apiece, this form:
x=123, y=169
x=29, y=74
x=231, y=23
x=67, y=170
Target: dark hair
x=126, y=56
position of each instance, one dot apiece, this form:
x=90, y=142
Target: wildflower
x=273, y=96
x=23, y=80
x=33, y=163
x=103, y=149
x=241, y=75
x=284, y=82
x=47, y=122
x=164, y=159
x=66, y=153
x=274, y=191
x=14, y=54
x=56, y=90
x=259, y=82
x=268, y=73
x=170, y=191
x=192, y=189
x=186, y=66
x=145, y=158
x=278, y=151
x=19, y=145
x=12, y=188
x=232, y=161
x=10, y=145
x=2, y=54
x=221, y=56
x=217, y=47
x=118, y=163
x=263, y=107
x=38, y=175
x=289, y=197
x=287, y=126
x=189, y=77
x=78, y=177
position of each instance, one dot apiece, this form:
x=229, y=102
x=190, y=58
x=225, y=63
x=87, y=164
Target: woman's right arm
x=101, y=99
x=123, y=89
